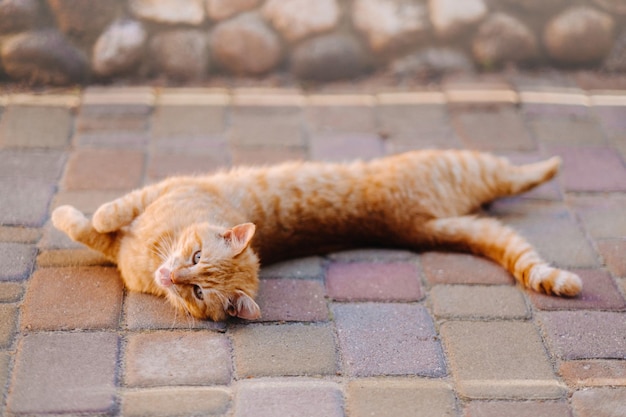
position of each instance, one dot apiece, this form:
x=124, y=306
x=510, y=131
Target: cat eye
x=196, y=257
x=197, y=291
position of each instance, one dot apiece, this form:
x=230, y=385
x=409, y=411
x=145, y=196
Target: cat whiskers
x=174, y=296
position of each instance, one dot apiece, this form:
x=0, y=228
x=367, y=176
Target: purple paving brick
x=591, y=168
x=177, y=358
x=613, y=250
x=64, y=373
x=585, y=334
x=599, y=293
x=603, y=217
x=24, y=202
x=73, y=298
x=460, y=268
x=368, y=281
x=612, y=118
x=285, y=398
x=345, y=147
x=388, y=339
x=292, y=300
x=17, y=261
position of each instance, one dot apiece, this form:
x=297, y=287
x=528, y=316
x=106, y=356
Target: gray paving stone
x=517, y=409
x=305, y=268
x=25, y=202
x=8, y=324
x=284, y=350
x=266, y=126
x=585, y=334
x=388, y=339
x=342, y=147
x=570, y=132
x=64, y=373
x=17, y=261
x=292, y=300
x=287, y=398
x=52, y=130
x=34, y=164
x=600, y=402
x=486, y=302
x=188, y=121
x=400, y=397
x=177, y=358
x=340, y=119
x=179, y=401
x=603, y=217
x=499, y=360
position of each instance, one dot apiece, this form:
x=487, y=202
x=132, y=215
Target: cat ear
x=239, y=237
x=244, y=307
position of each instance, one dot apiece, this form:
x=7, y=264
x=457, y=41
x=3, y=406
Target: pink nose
x=165, y=277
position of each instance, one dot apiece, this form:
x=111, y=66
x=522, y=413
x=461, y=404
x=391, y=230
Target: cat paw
x=69, y=220
x=105, y=218
x=555, y=281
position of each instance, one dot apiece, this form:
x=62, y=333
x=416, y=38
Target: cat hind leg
x=493, y=240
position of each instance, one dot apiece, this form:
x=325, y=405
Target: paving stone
x=86, y=201
x=73, y=298
x=611, y=117
x=53, y=238
x=111, y=120
x=612, y=251
x=188, y=121
x=599, y=293
x=267, y=126
x=568, y=132
x=52, y=130
x=460, y=268
x=486, y=302
x=8, y=324
x=594, y=372
x=517, y=409
x=591, y=168
x=303, y=268
x=345, y=147
x=292, y=300
x=550, y=228
x=34, y=164
x=499, y=360
x=71, y=257
x=11, y=291
x=179, y=401
x=602, y=217
x=145, y=311
x=340, y=119
x=5, y=359
x=367, y=281
x=284, y=350
x=550, y=190
x=115, y=139
x=400, y=398
x=585, y=334
x=19, y=234
x=373, y=255
x=388, y=339
x=483, y=130
x=266, y=155
x=177, y=358
x=25, y=202
x=103, y=169
x=285, y=398
x=17, y=261
x=166, y=164
x=600, y=402
x=58, y=373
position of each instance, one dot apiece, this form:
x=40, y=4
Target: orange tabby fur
x=227, y=221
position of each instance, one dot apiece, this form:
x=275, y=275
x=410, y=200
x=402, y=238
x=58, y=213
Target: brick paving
x=352, y=333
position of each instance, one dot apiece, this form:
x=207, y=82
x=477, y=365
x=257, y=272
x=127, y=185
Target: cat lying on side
x=198, y=240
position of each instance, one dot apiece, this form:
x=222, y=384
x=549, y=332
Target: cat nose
x=165, y=277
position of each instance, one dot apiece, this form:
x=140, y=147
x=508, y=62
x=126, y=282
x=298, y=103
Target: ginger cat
x=198, y=240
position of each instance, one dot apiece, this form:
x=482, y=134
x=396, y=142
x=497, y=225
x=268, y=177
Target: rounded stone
x=451, y=18
x=83, y=17
x=119, y=48
x=390, y=24
x=18, y=15
x=245, y=45
x=616, y=60
x=298, y=19
x=224, y=9
x=43, y=57
x=535, y=5
x=189, y=12
x=501, y=39
x=613, y=6
x=432, y=61
x=181, y=54
x=579, y=35
x=329, y=57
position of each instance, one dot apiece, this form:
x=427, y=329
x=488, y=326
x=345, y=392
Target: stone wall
x=69, y=41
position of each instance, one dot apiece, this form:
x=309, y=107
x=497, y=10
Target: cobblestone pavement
x=357, y=333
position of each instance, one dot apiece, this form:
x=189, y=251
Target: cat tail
x=519, y=179
x=80, y=229
x=491, y=239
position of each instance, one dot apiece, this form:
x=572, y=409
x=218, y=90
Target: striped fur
x=416, y=200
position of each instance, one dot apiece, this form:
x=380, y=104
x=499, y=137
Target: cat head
x=211, y=272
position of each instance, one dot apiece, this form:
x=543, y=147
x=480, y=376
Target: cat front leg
x=493, y=240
